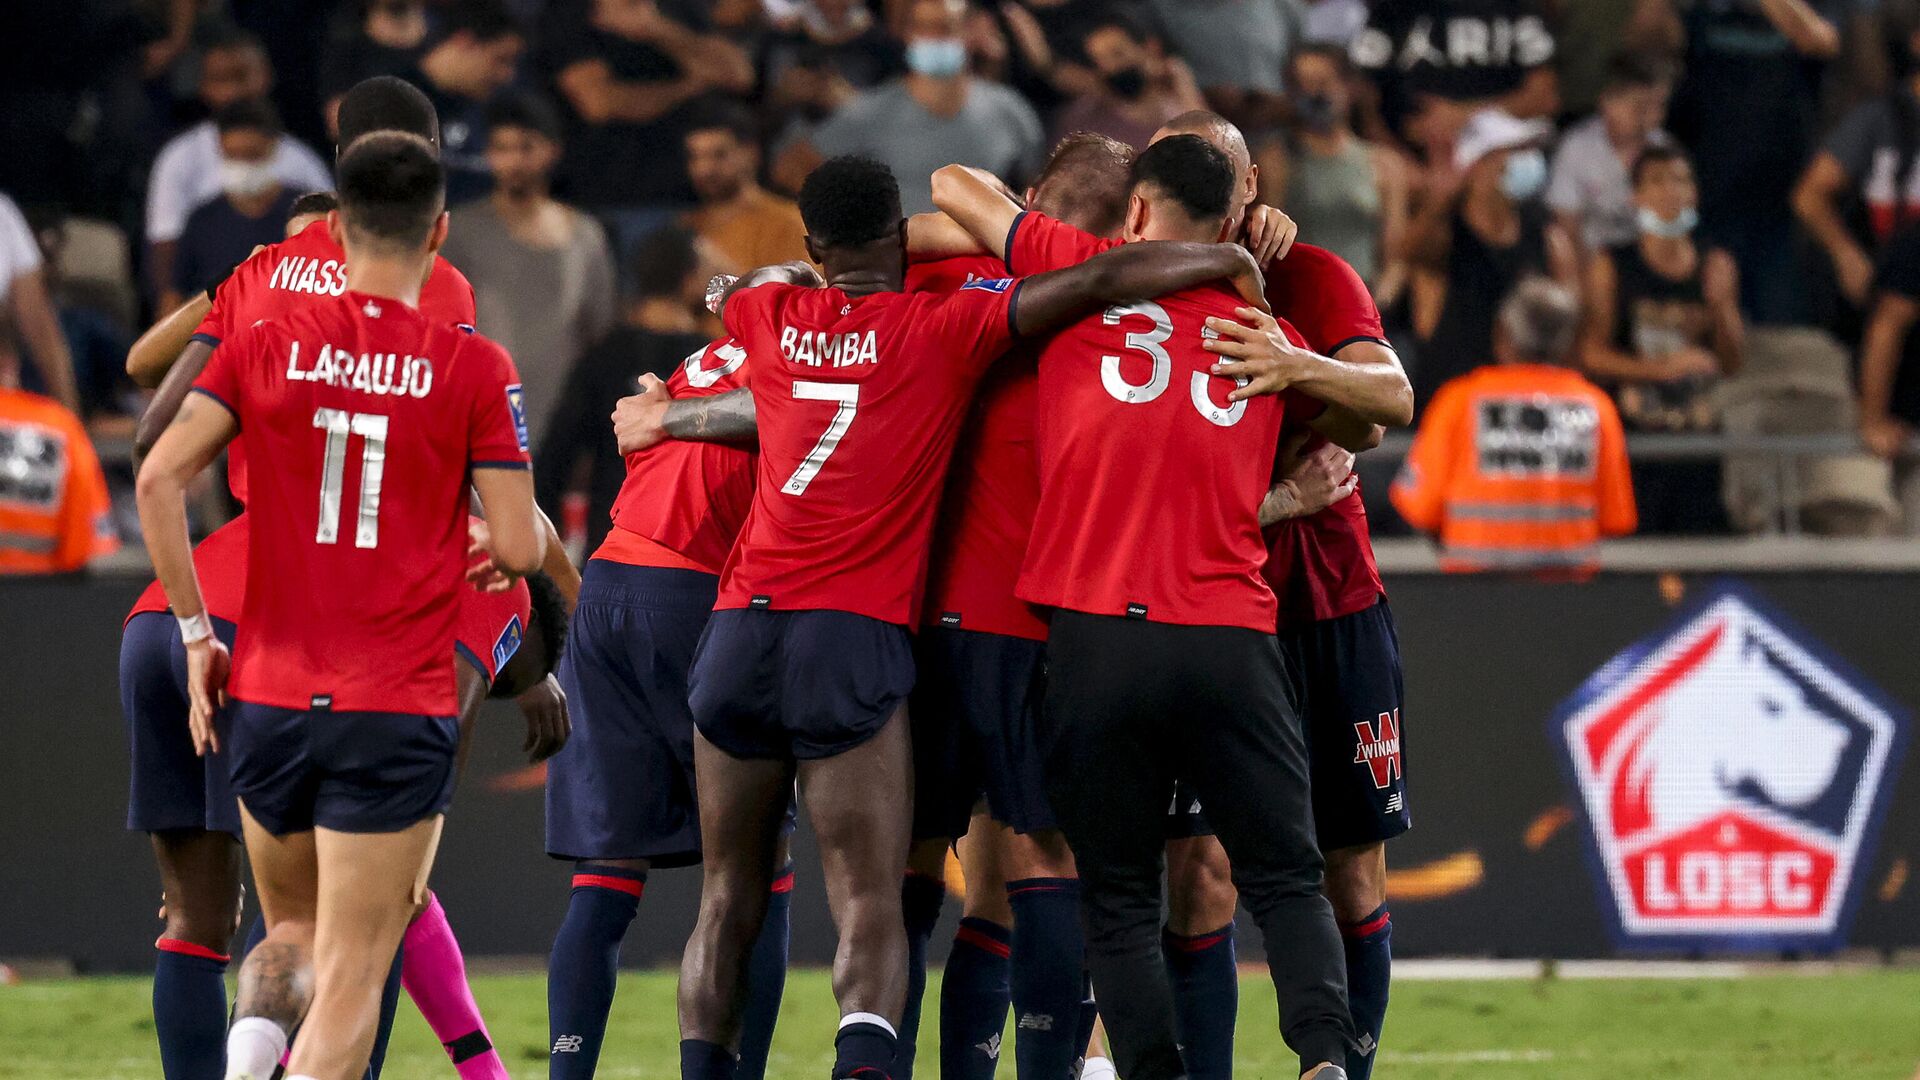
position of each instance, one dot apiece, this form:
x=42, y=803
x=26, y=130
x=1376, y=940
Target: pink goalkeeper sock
x=435, y=976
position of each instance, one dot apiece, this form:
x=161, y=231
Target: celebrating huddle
x=1027, y=525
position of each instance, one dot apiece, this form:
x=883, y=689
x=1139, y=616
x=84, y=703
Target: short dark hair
x=224, y=36
x=1659, y=153
x=1191, y=172
x=525, y=109
x=663, y=260
x=1086, y=179
x=314, y=202
x=484, y=20
x=849, y=201
x=387, y=103
x=392, y=188
x=722, y=115
x=248, y=114
x=1638, y=70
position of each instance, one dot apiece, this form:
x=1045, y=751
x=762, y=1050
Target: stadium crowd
x=608, y=155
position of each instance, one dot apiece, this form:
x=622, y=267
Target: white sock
x=1099, y=1068
x=869, y=1018
x=255, y=1045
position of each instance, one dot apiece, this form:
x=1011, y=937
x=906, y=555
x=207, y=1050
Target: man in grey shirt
x=542, y=275
x=1238, y=51
x=936, y=115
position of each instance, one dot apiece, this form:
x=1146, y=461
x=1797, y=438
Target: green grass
x=1860, y=1025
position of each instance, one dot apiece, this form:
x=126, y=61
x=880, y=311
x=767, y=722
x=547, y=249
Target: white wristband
x=194, y=628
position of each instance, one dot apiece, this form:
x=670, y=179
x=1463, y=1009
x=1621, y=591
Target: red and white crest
x=1729, y=777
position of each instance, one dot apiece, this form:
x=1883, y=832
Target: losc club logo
x=1731, y=780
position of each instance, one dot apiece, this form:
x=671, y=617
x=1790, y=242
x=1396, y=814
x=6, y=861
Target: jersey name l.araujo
x=369, y=373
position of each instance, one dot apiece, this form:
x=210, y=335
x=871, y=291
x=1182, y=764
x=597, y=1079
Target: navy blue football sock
x=766, y=980
x=706, y=1061
x=921, y=898
x=1049, y=981
x=1083, y=1031
x=864, y=1048
x=1369, y=945
x=389, y=1004
x=1206, y=1000
x=584, y=966
x=190, y=1009
x=973, y=1000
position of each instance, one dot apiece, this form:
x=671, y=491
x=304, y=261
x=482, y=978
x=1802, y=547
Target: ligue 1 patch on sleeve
x=517, y=408
x=994, y=285
x=507, y=643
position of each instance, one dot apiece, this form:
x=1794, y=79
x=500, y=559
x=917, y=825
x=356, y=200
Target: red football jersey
x=689, y=497
x=372, y=415
x=858, y=401
x=1150, y=482
x=986, y=512
x=306, y=268
x=220, y=561
x=491, y=627
x=1321, y=566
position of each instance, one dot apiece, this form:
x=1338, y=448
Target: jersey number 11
x=372, y=428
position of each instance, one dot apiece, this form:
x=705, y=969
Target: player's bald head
x=1219, y=131
x=1085, y=183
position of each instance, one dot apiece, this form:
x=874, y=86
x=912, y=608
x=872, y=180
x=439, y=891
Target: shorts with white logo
x=797, y=685
x=975, y=713
x=354, y=772
x=169, y=786
x=622, y=787
x=1344, y=675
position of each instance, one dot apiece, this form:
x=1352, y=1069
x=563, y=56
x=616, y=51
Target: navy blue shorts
x=622, y=787
x=168, y=786
x=975, y=713
x=1344, y=675
x=797, y=685
x=355, y=772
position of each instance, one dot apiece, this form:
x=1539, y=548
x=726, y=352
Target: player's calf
x=1049, y=954
x=1357, y=887
x=583, y=970
x=1198, y=947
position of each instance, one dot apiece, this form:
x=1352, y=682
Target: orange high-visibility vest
x=1518, y=466
x=53, y=498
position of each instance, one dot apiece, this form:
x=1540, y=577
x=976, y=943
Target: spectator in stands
x=55, y=515
x=233, y=67
x=820, y=56
x=250, y=210
x=1662, y=328
x=1866, y=172
x=1333, y=22
x=1474, y=244
x=1521, y=465
x=1238, y=50
x=1589, y=190
x=26, y=305
x=543, y=281
x=1139, y=88
x=376, y=37
x=1890, y=366
x=625, y=73
x=470, y=60
x=1348, y=195
x=938, y=114
x=96, y=337
x=1747, y=106
x=747, y=225
x=1592, y=33
x=1431, y=81
x=663, y=324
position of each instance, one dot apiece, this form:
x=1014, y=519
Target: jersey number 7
x=846, y=397
x=372, y=428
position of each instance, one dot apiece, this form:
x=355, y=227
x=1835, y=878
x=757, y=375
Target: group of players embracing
x=1027, y=526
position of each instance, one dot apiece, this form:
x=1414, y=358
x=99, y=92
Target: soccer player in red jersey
x=344, y=738
x=1162, y=660
x=859, y=391
x=620, y=797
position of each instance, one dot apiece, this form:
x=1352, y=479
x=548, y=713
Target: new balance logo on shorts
x=567, y=1044
x=1035, y=1022
x=1378, y=748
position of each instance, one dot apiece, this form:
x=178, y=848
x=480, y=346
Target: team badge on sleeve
x=507, y=643
x=517, y=408
x=992, y=285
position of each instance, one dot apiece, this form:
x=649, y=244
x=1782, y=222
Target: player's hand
x=1269, y=234
x=482, y=572
x=1884, y=435
x=545, y=707
x=1691, y=362
x=1257, y=350
x=1323, y=478
x=639, y=421
x=208, y=664
x=1248, y=281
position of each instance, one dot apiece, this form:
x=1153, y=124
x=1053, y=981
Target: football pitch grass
x=1858, y=1024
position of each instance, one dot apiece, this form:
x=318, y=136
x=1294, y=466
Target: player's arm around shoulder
x=1128, y=272
x=979, y=203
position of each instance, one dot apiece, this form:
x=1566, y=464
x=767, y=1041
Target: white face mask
x=1668, y=229
x=245, y=178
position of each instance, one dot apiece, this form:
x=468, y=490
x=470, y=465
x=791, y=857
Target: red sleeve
x=497, y=432
x=1038, y=243
x=973, y=323
x=224, y=374
x=1324, y=299
x=739, y=311
x=218, y=325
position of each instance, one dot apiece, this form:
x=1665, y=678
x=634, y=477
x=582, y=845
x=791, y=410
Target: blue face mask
x=937, y=58
x=1525, y=175
x=1678, y=226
